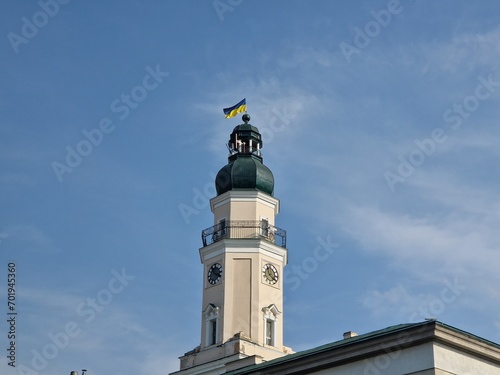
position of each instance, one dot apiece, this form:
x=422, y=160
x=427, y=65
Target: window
x=271, y=313
x=211, y=314
x=212, y=332
x=269, y=332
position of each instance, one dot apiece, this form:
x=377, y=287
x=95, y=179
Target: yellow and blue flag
x=235, y=109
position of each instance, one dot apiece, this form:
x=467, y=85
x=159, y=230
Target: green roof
x=245, y=172
x=350, y=341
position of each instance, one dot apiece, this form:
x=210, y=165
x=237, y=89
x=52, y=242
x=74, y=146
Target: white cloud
x=161, y=359
x=112, y=330
x=448, y=239
x=465, y=51
x=31, y=237
x=405, y=305
x=397, y=300
x=275, y=108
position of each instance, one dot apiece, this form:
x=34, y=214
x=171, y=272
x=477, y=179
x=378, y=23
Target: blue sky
x=380, y=124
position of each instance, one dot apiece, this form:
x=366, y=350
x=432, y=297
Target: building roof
x=245, y=172
x=372, y=343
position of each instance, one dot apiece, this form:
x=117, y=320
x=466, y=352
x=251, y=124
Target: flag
x=235, y=109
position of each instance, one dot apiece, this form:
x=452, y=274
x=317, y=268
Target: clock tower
x=243, y=257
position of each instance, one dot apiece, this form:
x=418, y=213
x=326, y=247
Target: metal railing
x=244, y=229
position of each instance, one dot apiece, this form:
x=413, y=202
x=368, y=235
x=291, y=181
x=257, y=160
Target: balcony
x=244, y=229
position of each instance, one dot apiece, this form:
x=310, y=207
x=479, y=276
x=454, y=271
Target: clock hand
x=269, y=273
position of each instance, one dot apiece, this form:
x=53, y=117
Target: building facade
x=243, y=256
x=426, y=348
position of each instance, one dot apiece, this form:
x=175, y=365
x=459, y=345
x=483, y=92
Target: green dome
x=245, y=172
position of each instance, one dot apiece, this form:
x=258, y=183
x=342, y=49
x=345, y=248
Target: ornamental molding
x=245, y=196
x=211, y=311
x=271, y=312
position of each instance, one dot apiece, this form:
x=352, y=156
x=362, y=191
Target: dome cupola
x=245, y=170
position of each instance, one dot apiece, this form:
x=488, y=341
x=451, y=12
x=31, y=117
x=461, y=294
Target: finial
x=245, y=118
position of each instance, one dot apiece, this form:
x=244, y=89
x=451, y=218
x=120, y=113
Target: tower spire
x=243, y=256
x=245, y=168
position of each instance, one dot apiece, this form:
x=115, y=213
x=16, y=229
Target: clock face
x=214, y=273
x=270, y=274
